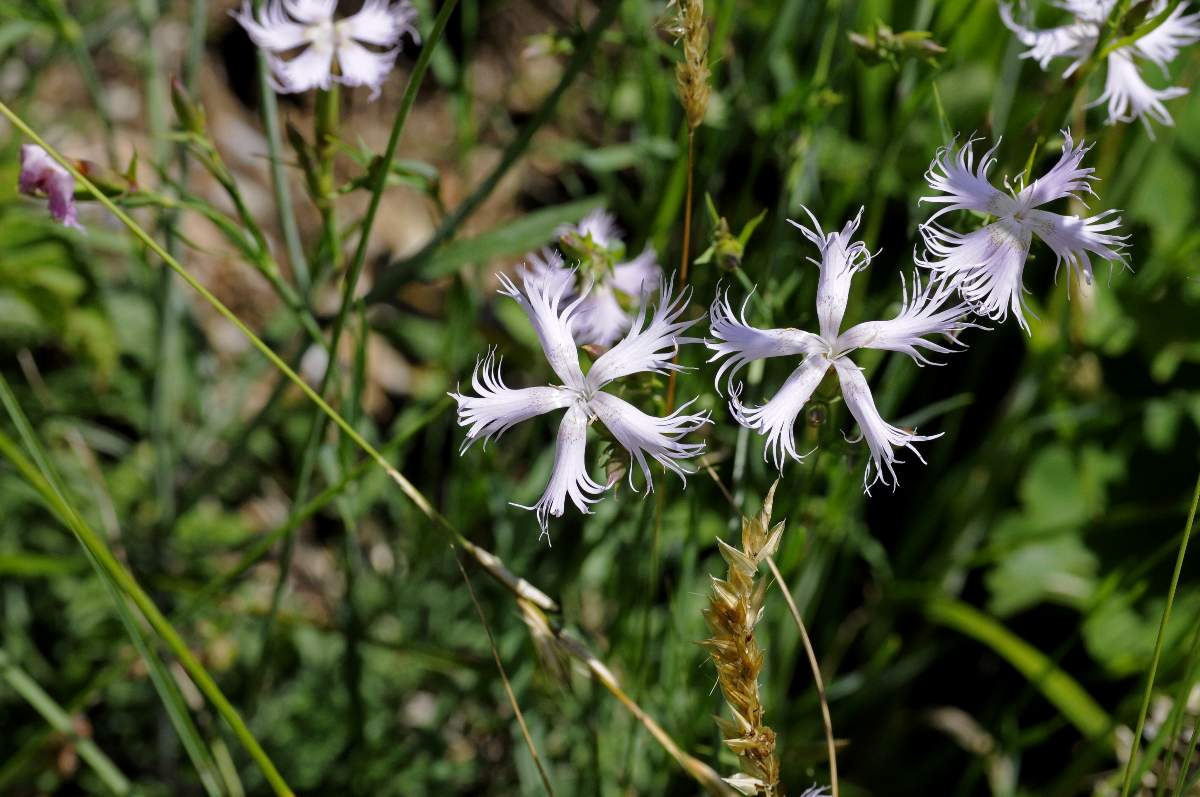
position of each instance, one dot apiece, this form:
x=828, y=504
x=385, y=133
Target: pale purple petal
x=641, y=434
x=1072, y=238
x=363, y=67
x=569, y=478
x=601, y=319
x=962, y=184
x=497, y=407
x=273, y=29
x=1129, y=97
x=1074, y=40
x=841, y=258
x=1177, y=31
x=649, y=346
x=985, y=266
x=776, y=419
x=1066, y=179
x=599, y=225
x=640, y=276
x=741, y=343
x=931, y=310
x=41, y=174
x=882, y=438
x=551, y=315
x=311, y=69
x=311, y=11
x=381, y=23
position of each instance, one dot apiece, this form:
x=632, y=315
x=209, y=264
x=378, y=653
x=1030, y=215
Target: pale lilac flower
x=928, y=310
x=602, y=317
x=986, y=265
x=358, y=50
x=649, y=346
x=1128, y=95
x=41, y=174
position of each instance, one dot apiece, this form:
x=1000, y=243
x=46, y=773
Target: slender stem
x=326, y=135
x=816, y=671
x=512, y=698
x=390, y=278
x=1158, y=644
x=61, y=721
x=279, y=182
x=687, y=237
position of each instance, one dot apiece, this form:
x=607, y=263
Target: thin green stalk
x=94, y=544
x=326, y=143
x=1158, y=644
x=1179, y=710
x=60, y=720
x=73, y=34
x=489, y=561
x=279, y=183
x=391, y=277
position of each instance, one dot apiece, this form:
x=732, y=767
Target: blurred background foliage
x=986, y=628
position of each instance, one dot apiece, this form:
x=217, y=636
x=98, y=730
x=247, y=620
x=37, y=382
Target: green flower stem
x=487, y=560
x=279, y=182
x=1158, y=644
x=326, y=135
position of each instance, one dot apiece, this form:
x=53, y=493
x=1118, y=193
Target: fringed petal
x=569, y=479
x=649, y=346
x=985, y=266
x=311, y=69
x=1177, y=31
x=382, y=23
x=1129, y=97
x=883, y=439
x=841, y=258
x=363, y=67
x=1072, y=238
x=273, y=29
x=775, y=419
x=930, y=310
x=552, y=316
x=641, y=434
x=1065, y=179
x=963, y=185
x=640, y=276
x=1075, y=40
x=496, y=408
x=741, y=343
x=312, y=12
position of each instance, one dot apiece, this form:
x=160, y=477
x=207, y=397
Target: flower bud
x=189, y=112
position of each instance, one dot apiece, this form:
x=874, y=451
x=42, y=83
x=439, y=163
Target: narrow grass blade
x=1063, y=691
x=60, y=720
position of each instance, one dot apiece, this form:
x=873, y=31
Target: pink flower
x=41, y=175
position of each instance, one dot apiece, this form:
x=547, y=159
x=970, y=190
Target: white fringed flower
x=986, y=265
x=1128, y=95
x=358, y=50
x=649, y=346
x=928, y=309
x=602, y=317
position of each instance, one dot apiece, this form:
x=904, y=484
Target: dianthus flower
x=41, y=174
x=1128, y=95
x=987, y=265
x=334, y=50
x=649, y=346
x=927, y=310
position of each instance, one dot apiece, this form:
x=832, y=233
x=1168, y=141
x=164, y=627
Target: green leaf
x=516, y=237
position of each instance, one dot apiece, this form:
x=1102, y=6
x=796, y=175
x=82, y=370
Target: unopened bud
x=189, y=112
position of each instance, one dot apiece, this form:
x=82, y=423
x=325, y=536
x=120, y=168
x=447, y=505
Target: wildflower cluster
x=1127, y=93
x=972, y=273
